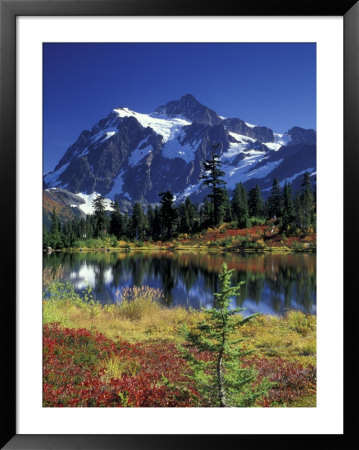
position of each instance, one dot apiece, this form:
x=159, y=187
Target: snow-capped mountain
x=130, y=156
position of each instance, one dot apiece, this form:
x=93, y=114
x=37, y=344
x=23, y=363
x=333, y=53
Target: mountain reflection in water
x=273, y=284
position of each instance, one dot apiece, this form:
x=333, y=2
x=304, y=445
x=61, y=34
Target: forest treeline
x=167, y=220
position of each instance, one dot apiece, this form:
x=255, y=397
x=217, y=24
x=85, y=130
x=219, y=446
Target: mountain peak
x=131, y=156
x=301, y=135
x=188, y=106
x=189, y=96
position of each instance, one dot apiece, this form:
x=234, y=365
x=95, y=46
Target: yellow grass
x=141, y=317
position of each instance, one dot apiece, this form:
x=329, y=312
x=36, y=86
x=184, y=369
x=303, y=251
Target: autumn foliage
x=77, y=373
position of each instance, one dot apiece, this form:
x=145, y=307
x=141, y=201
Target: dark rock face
x=95, y=169
x=302, y=136
x=129, y=159
x=238, y=126
x=190, y=108
x=262, y=134
x=78, y=177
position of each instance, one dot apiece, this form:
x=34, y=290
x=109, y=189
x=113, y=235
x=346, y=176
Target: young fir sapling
x=221, y=378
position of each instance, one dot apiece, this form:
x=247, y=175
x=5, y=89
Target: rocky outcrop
x=302, y=136
x=262, y=134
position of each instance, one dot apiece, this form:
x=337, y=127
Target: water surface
x=274, y=283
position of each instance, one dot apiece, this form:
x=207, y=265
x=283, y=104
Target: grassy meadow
x=128, y=353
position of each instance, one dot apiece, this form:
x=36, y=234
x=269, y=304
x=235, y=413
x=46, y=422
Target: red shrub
x=291, y=380
x=72, y=376
x=75, y=361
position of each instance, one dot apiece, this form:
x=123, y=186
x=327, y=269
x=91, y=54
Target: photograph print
x=179, y=225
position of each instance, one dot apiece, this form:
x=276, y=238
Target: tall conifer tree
x=274, y=203
x=101, y=221
x=168, y=212
x=157, y=225
x=212, y=179
x=240, y=206
x=255, y=202
x=288, y=218
x=307, y=202
x=116, y=221
x=138, y=221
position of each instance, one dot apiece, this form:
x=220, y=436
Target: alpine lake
x=273, y=283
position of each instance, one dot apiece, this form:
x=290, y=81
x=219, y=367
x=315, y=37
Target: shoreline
x=175, y=248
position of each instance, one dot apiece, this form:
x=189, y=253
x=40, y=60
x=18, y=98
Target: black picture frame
x=9, y=10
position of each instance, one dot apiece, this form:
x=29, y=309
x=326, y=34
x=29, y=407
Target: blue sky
x=265, y=84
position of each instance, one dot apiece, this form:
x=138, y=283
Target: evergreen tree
x=212, y=179
x=307, y=202
x=274, y=203
x=314, y=215
x=299, y=215
x=68, y=235
x=101, y=221
x=187, y=212
x=150, y=217
x=54, y=238
x=255, y=202
x=191, y=211
x=88, y=227
x=127, y=226
x=227, y=207
x=240, y=206
x=288, y=219
x=138, y=222
x=184, y=221
x=75, y=227
x=55, y=225
x=206, y=214
x=156, y=226
x=116, y=221
x=168, y=212
x=45, y=238
x=222, y=380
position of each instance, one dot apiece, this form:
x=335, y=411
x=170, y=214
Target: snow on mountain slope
x=235, y=148
x=87, y=207
x=175, y=147
x=130, y=156
x=282, y=139
x=296, y=175
x=160, y=123
x=103, y=135
x=246, y=170
x=52, y=179
x=143, y=149
x=241, y=138
x=117, y=186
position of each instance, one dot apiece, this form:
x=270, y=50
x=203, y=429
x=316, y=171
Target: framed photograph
x=174, y=177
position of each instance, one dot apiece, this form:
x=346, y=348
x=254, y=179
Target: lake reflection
x=274, y=283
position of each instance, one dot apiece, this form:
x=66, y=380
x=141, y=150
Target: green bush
x=60, y=298
x=298, y=246
x=255, y=221
x=227, y=242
